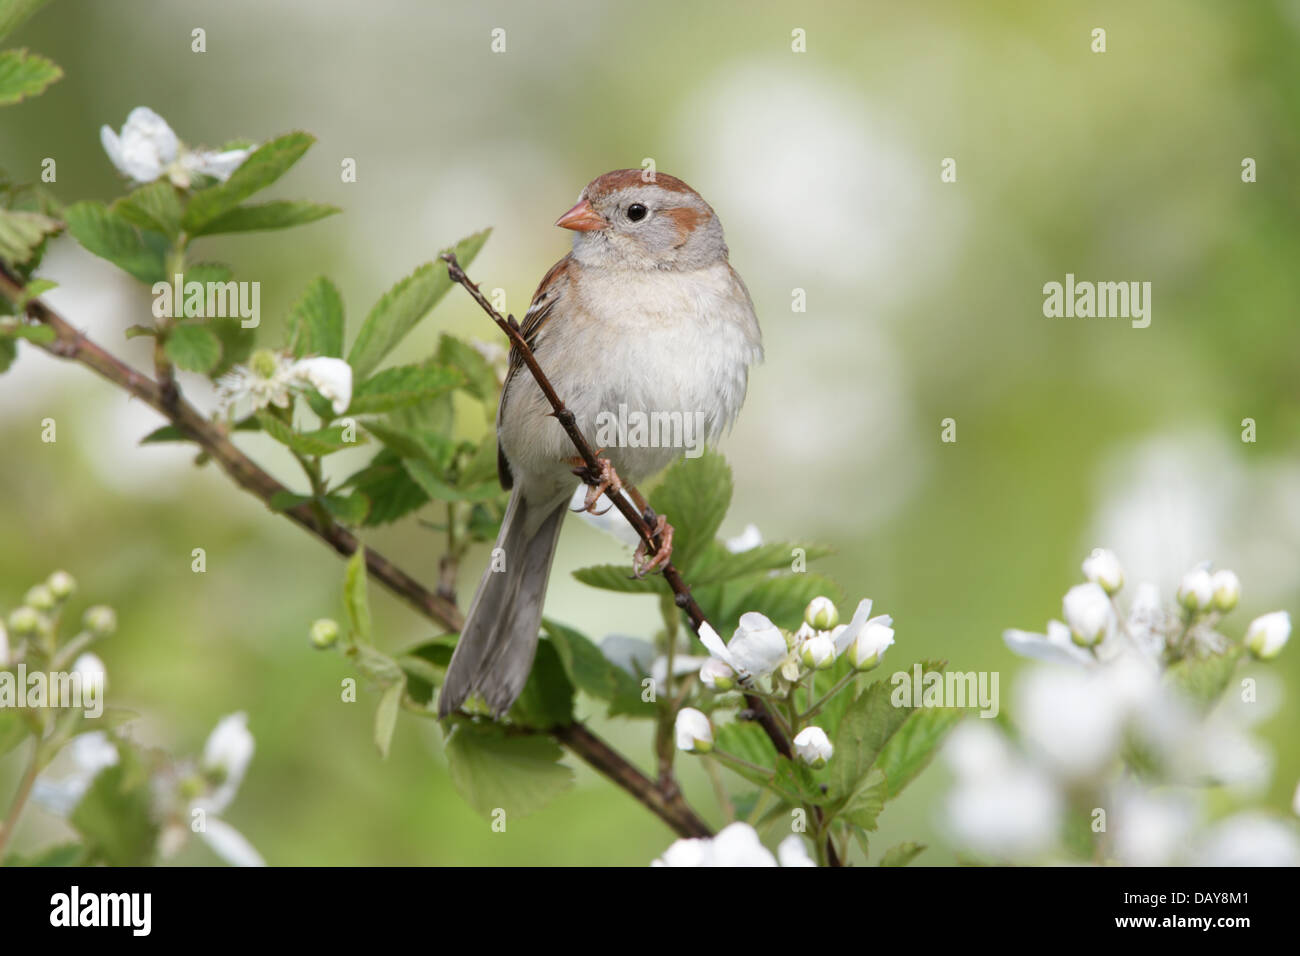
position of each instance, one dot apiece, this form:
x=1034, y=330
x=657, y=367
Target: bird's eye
x=636, y=212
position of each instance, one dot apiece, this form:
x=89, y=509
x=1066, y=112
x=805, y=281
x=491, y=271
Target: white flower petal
x=229, y=844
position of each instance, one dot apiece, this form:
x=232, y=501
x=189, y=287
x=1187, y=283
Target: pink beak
x=581, y=218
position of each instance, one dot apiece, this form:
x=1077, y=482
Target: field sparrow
x=646, y=313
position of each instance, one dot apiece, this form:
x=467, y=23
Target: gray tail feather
x=499, y=639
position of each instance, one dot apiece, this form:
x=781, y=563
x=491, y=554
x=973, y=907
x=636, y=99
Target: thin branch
x=213, y=439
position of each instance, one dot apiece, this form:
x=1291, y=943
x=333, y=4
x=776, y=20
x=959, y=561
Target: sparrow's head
x=623, y=220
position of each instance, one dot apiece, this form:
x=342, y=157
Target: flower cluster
x=1114, y=740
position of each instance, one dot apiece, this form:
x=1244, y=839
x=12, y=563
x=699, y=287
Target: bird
x=645, y=312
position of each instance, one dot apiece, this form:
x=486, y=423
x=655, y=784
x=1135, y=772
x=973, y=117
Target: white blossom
x=1227, y=590
x=1102, y=567
x=821, y=614
x=147, y=148
x=1268, y=634
x=1088, y=612
x=747, y=540
x=1196, y=589
x=332, y=377
x=735, y=845
x=272, y=379
x=757, y=648
x=817, y=652
x=693, y=731
x=717, y=675
x=813, y=747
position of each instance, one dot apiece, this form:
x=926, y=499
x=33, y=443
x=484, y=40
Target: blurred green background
x=924, y=301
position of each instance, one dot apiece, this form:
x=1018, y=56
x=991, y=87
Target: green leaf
x=110, y=236
x=494, y=771
x=24, y=74
x=902, y=854
x=547, y=698
x=39, y=334
x=402, y=386
x=34, y=290
x=316, y=321
x=155, y=206
x=618, y=577
x=911, y=748
x=694, y=497
x=435, y=487
x=60, y=854
x=14, y=12
x=480, y=377
x=284, y=499
x=390, y=706
x=746, y=740
x=718, y=564
x=783, y=598
x=267, y=164
x=1202, y=680
x=594, y=674
x=21, y=234
x=403, y=306
x=13, y=730
x=348, y=509
x=425, y=664
x=390, y=489
x=279, y=214
x=115, y=817
x=194, y=348
x=868, y=723
x=322, y=441
x=354, y=596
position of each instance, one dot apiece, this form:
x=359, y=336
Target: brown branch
x=215, y=442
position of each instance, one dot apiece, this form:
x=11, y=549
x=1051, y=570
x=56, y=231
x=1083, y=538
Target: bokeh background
x=924, y=301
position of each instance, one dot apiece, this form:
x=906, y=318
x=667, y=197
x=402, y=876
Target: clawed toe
x=664, y=531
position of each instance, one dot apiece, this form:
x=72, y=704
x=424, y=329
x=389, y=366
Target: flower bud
x=1196, y=590
x=100, y=620
x=818, y=653
x=1102, y=568
x=41, y=598
x=1227, y=590
x=1088, y=613
x=24, y=620
x=324, y=633
x=693, y=730
x=61, y=585
x=717, y=675
x=813, y=747
x=91, y=669
x=821, y=614
x=872, y=641
x=1268, y=634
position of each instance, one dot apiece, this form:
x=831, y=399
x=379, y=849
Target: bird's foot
x=664, y=532
x=604, y=480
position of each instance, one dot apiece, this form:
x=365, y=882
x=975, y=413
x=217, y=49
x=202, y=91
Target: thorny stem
x=72, y=345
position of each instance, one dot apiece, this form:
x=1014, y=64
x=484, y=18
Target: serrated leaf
x=390, y=705
x=404, y=305
x=24, y=74
x=783, y=598
x=115, y=817
x=194, y=348
x=21, y=234
x=316, y=321
x=278, y=214
x=1202, y=680
x=594, y=674
x=547, y=698
x=354, y=596
x=322, y=441
x=267, y=164
x=914, y=744
x=480, y=378
x=868, y=723
x=716, y=563
x=390, y=489
x=349, y=509
x=495, y=771
x=402, y=386
x=694, y=497
x=618, y=577
x=110, y=236
x=153, y=206
x=14, y=12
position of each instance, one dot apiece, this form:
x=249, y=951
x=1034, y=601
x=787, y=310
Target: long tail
x=499, y=639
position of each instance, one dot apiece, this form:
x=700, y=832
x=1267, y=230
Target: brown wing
x=549, y=292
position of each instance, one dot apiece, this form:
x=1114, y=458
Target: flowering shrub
x=1122, y=731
